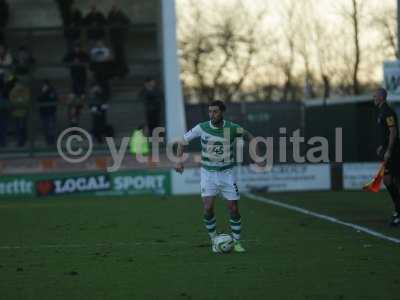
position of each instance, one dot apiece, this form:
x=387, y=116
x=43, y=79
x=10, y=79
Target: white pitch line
x=323, y=217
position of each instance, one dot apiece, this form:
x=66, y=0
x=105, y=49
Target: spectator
x=98, y=108
x=4, y=113
x=78, y=59
x=118, y=23
x=151, y=95
x=138, y=143
x=23, y=62
x=72, y=30
x=47, y=100
x=75, y=104
x=6, y=62
x=4, y=17
x=95, y=22
x=101, y=66
x=20, y=97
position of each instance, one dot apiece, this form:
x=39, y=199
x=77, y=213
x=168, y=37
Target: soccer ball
x=224, y=243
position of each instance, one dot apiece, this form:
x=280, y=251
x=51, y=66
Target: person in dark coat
x=47, y=101
x=78, y=60
x=98, y=108
x=152, y=97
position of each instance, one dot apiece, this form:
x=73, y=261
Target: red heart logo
x=44, y=187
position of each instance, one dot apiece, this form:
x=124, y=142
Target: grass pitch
x=157, y=248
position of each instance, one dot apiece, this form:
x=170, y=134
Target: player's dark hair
x=382, y=92
x=219, y=103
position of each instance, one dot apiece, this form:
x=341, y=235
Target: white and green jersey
x=217, y=144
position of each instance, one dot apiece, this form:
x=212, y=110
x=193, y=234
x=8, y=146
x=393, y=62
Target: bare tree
x=217, y=52
x=353, y=16
x=305, y=46
x=385, y=21
x=326, y=63
x=326, y=57
x=323, y=60
x=285, y=61
x=229, y=52
x=194, y=46
x=357, y=49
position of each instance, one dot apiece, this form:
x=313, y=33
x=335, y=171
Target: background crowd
x=95, y=55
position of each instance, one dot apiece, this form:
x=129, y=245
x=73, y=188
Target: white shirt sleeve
x=192, y=133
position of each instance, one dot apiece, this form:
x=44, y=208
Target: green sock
x=236, y=227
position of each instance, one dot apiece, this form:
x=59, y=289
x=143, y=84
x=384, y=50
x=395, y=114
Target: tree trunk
x=356, y=67
x=327, y=86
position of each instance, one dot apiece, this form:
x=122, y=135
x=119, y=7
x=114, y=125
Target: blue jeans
x=2, y=81
x=21, y=130
x=49, y=128
x=3, y=128
x=79, y=84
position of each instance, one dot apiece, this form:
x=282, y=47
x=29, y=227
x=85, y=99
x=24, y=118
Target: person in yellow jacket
x=20, y=101
x=139, y=143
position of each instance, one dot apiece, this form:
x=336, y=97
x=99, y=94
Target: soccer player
x=218, y=141
x=389, y=150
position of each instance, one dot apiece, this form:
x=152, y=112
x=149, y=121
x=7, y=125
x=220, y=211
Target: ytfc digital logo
x=75, y=145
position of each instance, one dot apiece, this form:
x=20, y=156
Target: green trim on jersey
x=213, y=145
x=219, y=132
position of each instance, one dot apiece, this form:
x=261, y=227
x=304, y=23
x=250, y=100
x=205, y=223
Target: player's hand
x=179, y=168
x=387, y=155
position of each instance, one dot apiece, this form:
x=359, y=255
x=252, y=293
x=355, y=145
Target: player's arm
x=247, y=135
x=179, y=167
x=190, y=135
x=391, y=123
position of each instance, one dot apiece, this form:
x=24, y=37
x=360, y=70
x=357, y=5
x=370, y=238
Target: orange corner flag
x=375, y=185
